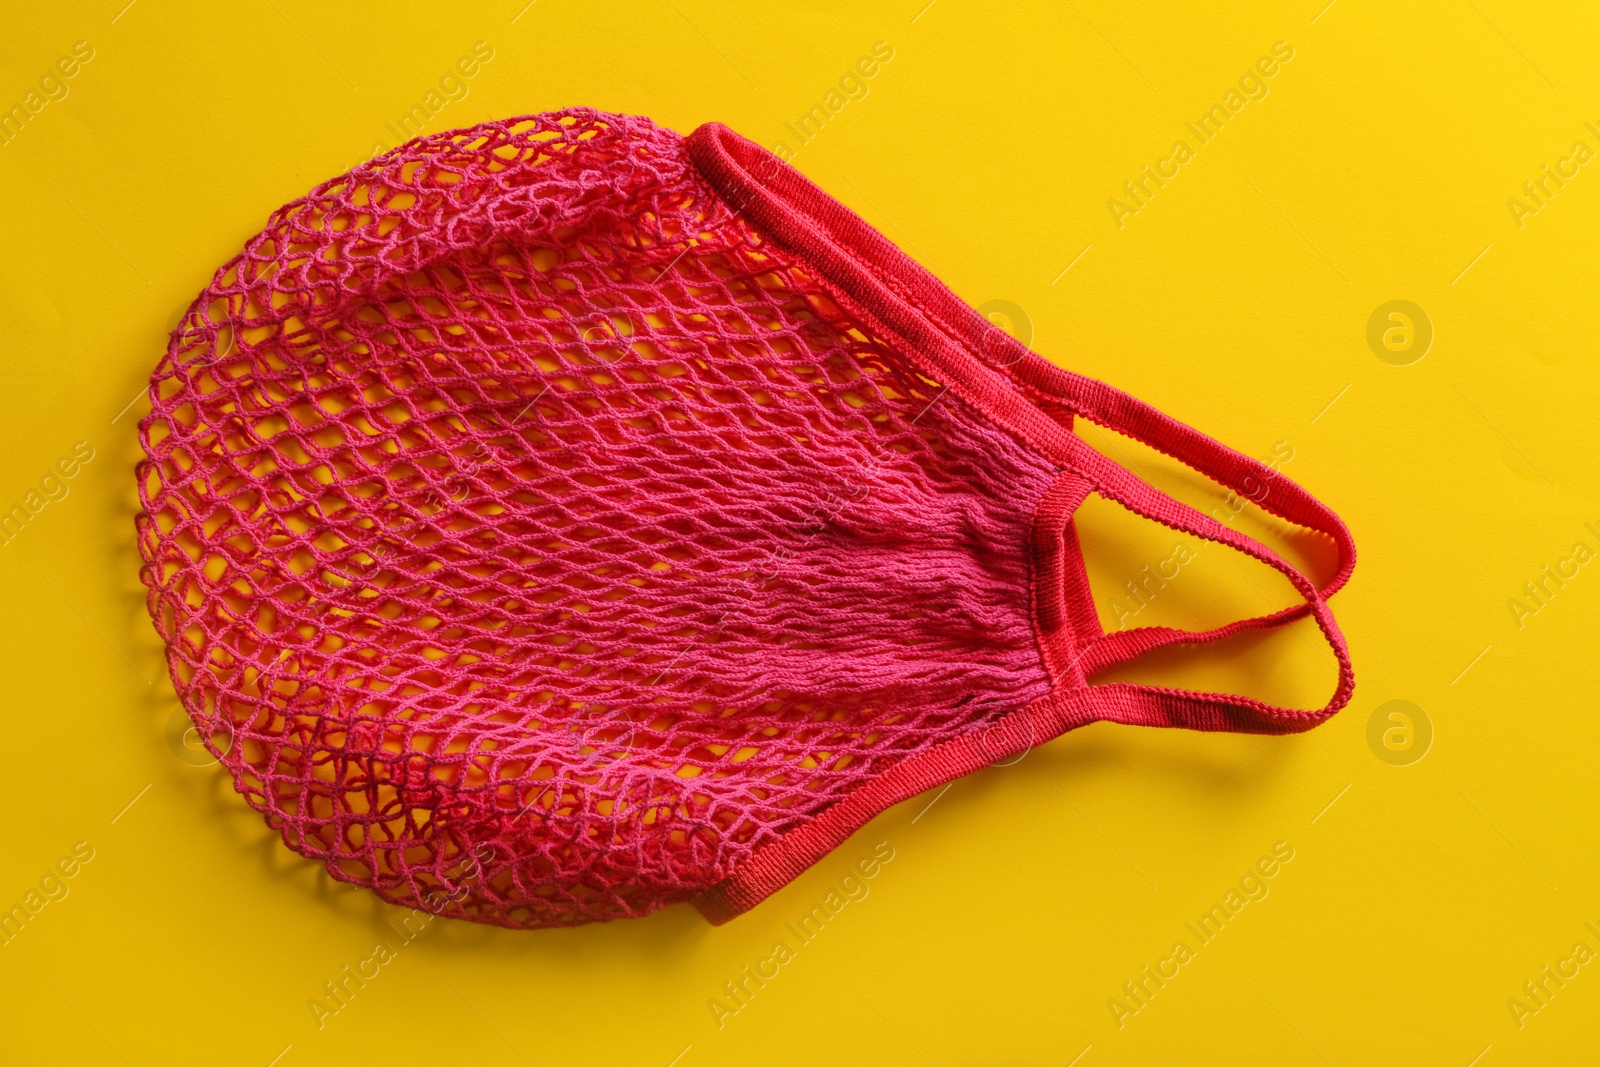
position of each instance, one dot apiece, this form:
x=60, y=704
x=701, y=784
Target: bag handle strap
x=1157, y=705
x=1128, y=415
x=1160, y=706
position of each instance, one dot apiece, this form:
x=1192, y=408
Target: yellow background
x=1378, y=167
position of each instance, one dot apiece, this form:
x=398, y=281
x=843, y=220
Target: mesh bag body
x=561, y=518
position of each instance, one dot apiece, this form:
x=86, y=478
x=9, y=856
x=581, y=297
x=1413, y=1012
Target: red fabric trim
x=1034, y=400
x=1057, y=622
x=780, y=862
x=1080, y=598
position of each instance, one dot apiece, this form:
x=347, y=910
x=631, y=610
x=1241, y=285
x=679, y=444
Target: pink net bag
x=561, y=518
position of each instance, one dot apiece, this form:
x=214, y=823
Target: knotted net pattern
x=532, y=539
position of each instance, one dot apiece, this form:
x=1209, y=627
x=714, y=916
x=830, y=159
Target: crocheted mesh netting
x=532, y=539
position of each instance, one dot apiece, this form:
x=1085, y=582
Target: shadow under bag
x=561, y=518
